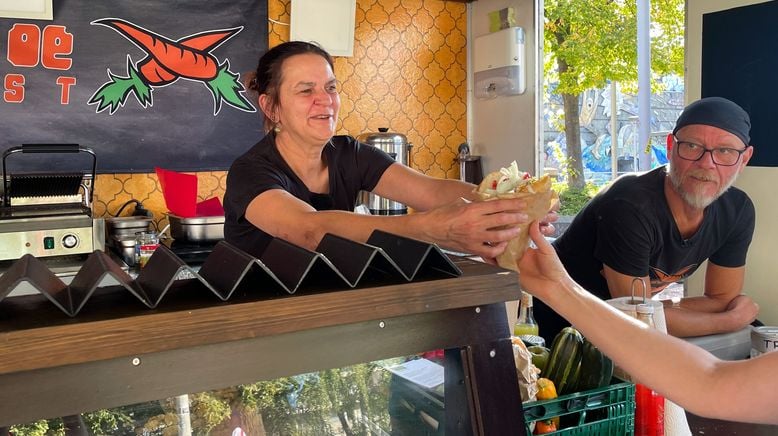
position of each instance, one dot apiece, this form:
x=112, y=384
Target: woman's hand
x=482, y=228
x=540, y=271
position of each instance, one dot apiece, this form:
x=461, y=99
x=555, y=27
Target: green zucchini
x=564, y=360
x=596, y=369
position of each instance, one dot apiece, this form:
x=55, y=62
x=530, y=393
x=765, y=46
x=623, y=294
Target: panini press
x=49, y=215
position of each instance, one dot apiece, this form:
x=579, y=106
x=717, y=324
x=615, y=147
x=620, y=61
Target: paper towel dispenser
x=499, y=63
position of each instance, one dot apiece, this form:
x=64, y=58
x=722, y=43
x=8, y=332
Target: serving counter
x=118, y=352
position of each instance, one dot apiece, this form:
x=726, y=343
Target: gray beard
x=695, y=199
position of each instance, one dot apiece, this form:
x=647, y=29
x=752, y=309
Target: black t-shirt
x=630, y=228
x=352, y=167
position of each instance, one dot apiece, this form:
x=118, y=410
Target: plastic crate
x=604, y=411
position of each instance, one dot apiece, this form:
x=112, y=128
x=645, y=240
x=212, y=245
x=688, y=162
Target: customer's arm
x=685, y=373
x=720, y=310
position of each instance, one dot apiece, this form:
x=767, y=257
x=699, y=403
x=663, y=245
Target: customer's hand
x=540, y=270
x=546, y=225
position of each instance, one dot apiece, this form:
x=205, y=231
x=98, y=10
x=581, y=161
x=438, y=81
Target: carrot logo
x=167, y=61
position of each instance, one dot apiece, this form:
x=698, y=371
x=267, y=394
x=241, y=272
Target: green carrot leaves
x=114, y=93
x=226, y=86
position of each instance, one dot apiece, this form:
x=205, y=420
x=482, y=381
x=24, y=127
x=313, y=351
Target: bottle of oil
x=525, y=324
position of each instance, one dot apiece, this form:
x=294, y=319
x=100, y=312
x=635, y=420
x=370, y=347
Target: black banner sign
x=739, y=62
x=143, y=83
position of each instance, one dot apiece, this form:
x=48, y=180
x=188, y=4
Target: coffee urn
x=397, y=146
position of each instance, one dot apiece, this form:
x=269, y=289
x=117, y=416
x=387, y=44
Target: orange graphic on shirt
x=663, y=279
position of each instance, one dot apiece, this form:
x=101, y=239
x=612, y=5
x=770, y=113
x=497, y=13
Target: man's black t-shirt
x=630, y=228
x=352, y=167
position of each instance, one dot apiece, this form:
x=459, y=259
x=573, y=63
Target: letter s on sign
x=14, y=88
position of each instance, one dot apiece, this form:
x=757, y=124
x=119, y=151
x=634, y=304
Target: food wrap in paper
x=512, y=183
x=675, y=416
x=527, y=372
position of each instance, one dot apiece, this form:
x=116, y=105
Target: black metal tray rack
x=337, y=264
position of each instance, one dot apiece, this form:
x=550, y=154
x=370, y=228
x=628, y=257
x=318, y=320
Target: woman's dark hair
x=267, y=77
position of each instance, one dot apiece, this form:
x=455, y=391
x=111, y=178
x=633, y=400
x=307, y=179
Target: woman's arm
x=424, y=193
x=419, y=191
x=459, y=225
x=744, y=390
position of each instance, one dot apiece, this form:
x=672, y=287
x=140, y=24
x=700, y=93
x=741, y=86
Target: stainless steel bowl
x=196, y=229
x=126, y=225
x=125, y=246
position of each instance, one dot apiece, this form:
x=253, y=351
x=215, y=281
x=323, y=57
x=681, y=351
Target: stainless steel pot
x=397, y=146
x=120, y=234
x=126, y=225
x=196, y=229
x=125, y=246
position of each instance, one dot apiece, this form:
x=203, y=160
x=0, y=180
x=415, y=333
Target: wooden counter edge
x=53, y=346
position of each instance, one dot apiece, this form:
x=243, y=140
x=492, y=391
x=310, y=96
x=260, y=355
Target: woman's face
x=308, y=100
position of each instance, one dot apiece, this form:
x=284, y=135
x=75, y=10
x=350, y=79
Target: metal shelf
x=337, y=264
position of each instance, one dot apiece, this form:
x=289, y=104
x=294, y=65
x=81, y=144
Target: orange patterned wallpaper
x=408, y=73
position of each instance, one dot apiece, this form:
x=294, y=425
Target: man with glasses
x=663, y=224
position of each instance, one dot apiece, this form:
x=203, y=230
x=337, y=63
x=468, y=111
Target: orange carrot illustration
x=166, y=62
x=173, y=56
x=157, y=75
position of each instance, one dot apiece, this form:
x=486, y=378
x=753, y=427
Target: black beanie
x=717, y=112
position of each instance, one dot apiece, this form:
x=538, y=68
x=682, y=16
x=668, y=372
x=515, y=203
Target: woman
x=745, y=390
x=301, y=182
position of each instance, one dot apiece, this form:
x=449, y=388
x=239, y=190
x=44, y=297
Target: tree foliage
x=573, y=200
x=353, y=400
x=588, y=43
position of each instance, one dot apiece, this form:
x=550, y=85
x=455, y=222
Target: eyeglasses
x=723, y=156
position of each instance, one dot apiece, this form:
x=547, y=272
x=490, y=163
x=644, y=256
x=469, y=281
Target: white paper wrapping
x=512, y=307
x=525, y=370
x=675, y=416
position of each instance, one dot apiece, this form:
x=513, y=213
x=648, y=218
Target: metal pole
x=614, y=133
x=644, y=83
x=184, y=421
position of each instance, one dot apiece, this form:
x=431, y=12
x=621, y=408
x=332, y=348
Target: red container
x=649, y=412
